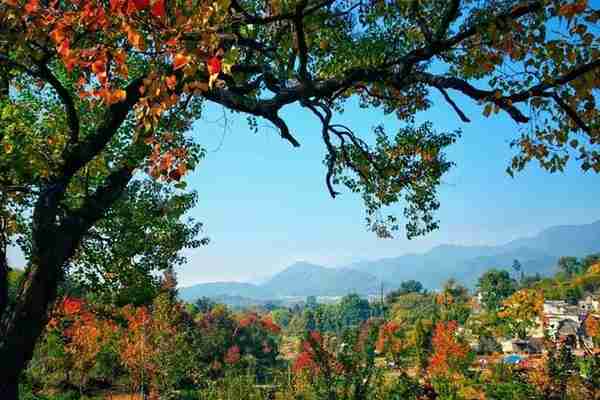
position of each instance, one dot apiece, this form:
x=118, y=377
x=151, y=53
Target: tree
x=93, y=91
x=353, y=310
x=204, y=304
x=453, y=302
x=522, y=311
x=495, y=286
x=311, y=302
x=518, y=268
x=410, y=286
x=282, y=317
x=569, y=265
x=450, y=354
x=142, y=235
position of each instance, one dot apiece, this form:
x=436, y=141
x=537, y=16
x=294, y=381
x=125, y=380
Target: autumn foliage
x=450, y=355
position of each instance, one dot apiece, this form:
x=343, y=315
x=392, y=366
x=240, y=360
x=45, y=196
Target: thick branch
x=449, y=16
x=101, y=200
x=448, y=82
x=67, y=100
x=571, y=113
x=301, y=40
x=77, y=157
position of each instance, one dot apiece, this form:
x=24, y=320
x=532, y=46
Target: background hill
x=299, y=279
x=537, y=254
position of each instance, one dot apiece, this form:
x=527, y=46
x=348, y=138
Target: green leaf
x=488, y=109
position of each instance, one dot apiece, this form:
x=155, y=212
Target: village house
x=561, y=321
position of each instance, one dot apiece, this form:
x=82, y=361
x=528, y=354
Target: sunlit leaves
x=406, y=168
x=450, y=354
x=521, y=311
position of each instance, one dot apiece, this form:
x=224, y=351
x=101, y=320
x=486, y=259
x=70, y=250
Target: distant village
x=561, y=322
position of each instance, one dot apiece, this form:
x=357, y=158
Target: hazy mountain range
x=465, y=263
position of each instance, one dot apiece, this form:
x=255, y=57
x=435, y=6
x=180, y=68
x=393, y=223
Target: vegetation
x=418, y=349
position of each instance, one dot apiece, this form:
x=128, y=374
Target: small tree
x=495, y=286
x=521, y=312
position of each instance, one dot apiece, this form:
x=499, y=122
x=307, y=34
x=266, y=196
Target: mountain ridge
x=537, y=254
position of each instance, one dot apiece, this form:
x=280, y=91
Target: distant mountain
x=566, y=240
x=219, y=289
x=304, y=279
x=299, y=279
x=537, y=254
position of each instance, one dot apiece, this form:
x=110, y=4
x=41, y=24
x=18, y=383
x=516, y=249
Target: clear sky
x=264, y=204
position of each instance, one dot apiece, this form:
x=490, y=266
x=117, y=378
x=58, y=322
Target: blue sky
x=264, y=204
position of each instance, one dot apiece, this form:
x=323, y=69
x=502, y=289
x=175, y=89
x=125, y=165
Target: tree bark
x=24, y=323
x=53, y=245
x=9, y=390
x=3, y=276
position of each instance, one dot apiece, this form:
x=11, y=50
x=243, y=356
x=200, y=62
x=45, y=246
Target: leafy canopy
x=100, y=85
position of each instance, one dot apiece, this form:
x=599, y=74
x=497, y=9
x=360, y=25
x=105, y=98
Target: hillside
x=299, y=279
x=223, y=289
x=537, y=254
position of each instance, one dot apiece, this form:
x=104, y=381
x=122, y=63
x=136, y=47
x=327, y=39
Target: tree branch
x=82, y=153
x=302, y=47
x=67, y=100
x=325, y=122
x=449, y=16
x=448, y=82
x=460, y=113
x=571, y=113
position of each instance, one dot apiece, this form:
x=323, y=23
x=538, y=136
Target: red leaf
x=171, y=82
x=141, y=4
x=214, y=65
x=31, y=6
x=158, y=9
x=116, y=5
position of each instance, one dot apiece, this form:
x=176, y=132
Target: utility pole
x=382, y=303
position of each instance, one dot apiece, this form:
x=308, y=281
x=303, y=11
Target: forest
x=102, y=106
x=413, y=344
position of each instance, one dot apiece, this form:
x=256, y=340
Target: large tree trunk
x=24, y=323
x=53, y=244
x=3, y=276
x=9, y=390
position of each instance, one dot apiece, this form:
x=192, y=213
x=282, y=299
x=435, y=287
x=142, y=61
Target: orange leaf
x=135, y=38
x=116, y=5
x=57, y=35
x=117, y=96
x=31, y=6
x=180, y=60
x=171, y=81
x=63, y=48
x=98, y=66
x=120, y=57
